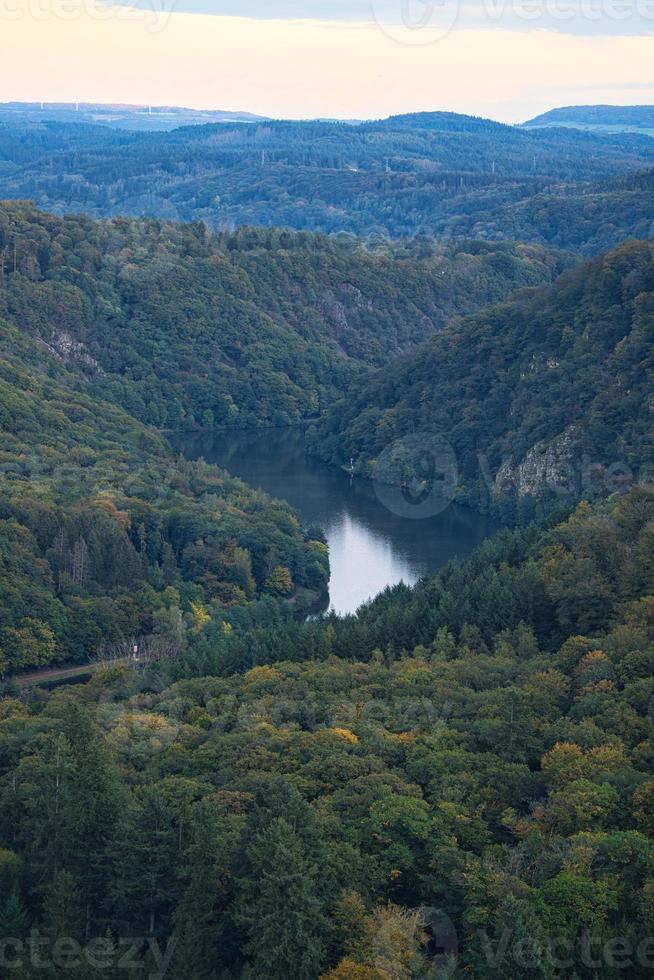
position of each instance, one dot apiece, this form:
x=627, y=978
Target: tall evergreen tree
x=280, y=906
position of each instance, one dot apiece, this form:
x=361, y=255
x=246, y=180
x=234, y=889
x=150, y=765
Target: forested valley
x=113, y=330
x=457, y=781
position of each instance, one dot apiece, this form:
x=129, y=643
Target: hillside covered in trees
x=455, y=783
x=616, y=117
x=546, y=396
x=586, y=218
x=106, y=538
x=109, y=328
x=407, y=175
x=182, y=328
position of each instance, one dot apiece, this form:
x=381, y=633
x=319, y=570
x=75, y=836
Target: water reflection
x=369, y=546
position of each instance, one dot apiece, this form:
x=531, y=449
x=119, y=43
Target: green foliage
x=427, y=173
x=106, y=537
x=482, y=787
x=184, y=329
x=544, y=398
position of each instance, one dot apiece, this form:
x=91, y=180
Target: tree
x=643, y=807
x=145, y=852
x=280, y=907
x=89, y=816
x=280, y=581
x=205, y=933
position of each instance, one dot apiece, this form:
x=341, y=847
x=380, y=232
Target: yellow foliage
x=592, y=659
x=345, y=734
x=12, y=708
x=200, y=616
x=263, y=675
x=280, y=581
x=596, y=687
x=349, y=970
x=402, y=738
x=145, y=728
x=103, y=501
x=564, y=763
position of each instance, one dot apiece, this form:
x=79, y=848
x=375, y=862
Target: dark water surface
x=369, y=546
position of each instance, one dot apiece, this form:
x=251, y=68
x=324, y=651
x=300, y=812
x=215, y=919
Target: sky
x=506, y=59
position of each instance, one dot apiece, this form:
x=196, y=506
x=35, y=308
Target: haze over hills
x=598, y=118
x=141, y=118
x=418, y=174
x=585, y=217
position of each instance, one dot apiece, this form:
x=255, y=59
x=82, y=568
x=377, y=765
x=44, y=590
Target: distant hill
x=611, y=118
x=585, y=217
x=417, y=174
x=453, y=122
x=131, y=117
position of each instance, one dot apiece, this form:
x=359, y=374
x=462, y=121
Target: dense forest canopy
x=183, y=328
x=457, y=782
x=547, y=395
x=407, y=175
x=586, y=218
x=106, y=538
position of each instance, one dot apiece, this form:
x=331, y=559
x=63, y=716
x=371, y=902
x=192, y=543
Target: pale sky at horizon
x=507, y=59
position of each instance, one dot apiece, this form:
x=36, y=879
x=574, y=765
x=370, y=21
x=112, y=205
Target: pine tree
x=280, y=907
x=90, y=815
x=145, y=855
x=201, y=925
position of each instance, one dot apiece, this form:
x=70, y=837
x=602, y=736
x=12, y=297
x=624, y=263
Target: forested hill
x=586, y=218
x=547, y=395
x=106, y=538
x=630, y=117
x=457, y=783
x=140, y=118
x=181, y=328
x=395, y=177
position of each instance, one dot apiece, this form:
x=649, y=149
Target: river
x=370, y=546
